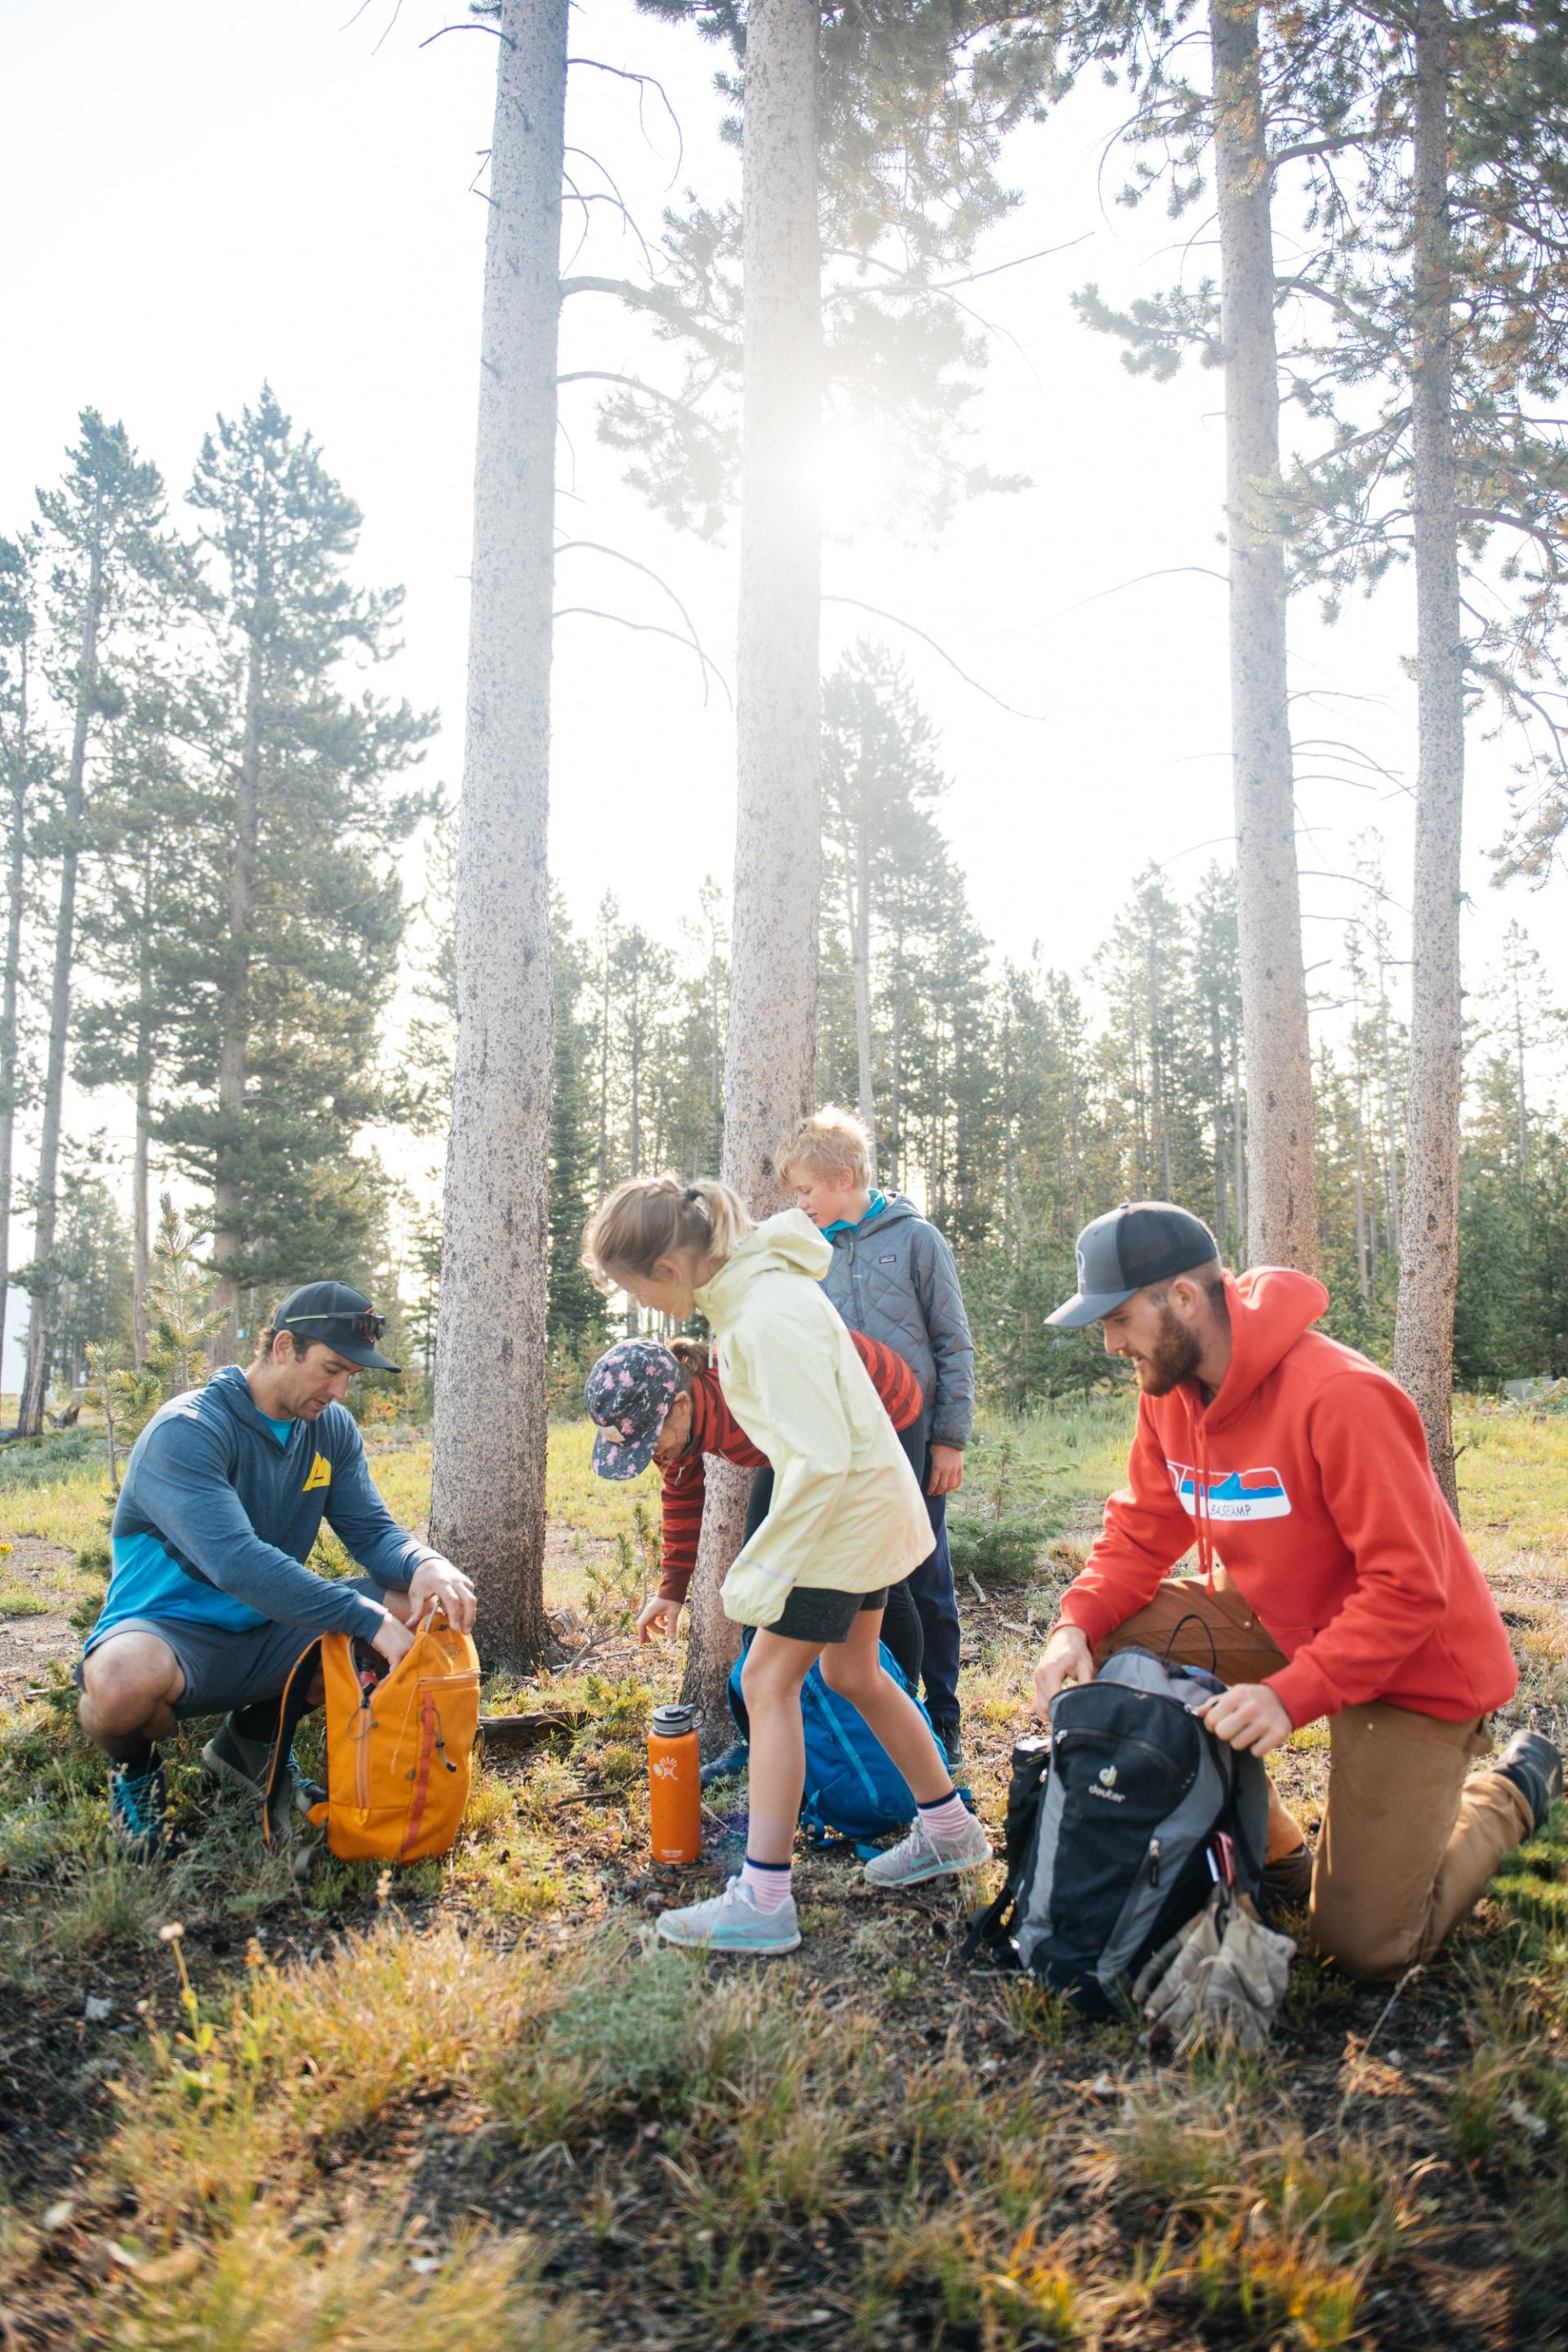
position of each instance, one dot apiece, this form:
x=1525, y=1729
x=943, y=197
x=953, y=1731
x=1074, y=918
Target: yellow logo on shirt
x=320, y=1474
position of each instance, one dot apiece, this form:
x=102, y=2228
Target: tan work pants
x=1408, y=1841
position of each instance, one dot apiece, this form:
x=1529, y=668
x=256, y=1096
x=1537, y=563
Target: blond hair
x=830, y=1139
x=650, y=1217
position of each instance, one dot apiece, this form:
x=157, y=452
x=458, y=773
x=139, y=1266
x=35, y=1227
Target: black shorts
x=814, y=1612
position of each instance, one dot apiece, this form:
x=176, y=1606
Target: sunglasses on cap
x=369, y=1326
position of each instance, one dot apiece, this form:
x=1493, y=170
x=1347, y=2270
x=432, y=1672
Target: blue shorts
x=224, y=1668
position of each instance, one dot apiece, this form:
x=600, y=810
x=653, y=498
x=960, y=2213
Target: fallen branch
x=525, y=1729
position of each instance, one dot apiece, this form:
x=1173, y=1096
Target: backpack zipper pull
x=1153, y=1862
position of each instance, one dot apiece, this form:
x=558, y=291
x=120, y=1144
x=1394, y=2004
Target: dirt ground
x=1378, y=2066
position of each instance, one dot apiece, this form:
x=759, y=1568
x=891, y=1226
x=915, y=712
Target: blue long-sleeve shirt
x=221, y=1505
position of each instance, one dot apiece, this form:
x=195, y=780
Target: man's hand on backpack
x=394, y=1640
x=437, y=1581
x=1248, y=1716
x=1065, y=1658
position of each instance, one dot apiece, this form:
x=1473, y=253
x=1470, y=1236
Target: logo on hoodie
x=1231, y=1494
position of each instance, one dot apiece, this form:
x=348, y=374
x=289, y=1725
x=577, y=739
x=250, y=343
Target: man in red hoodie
x=1346, y=1589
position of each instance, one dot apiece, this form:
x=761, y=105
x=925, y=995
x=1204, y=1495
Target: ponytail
x=693, y=1358
x=652, y=1217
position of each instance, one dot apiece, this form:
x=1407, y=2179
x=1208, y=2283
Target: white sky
x=202, y=195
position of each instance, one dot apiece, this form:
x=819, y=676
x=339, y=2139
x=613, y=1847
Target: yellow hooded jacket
x=846, y=1510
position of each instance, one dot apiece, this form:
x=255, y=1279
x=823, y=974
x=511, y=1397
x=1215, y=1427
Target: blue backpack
x=853, y=1787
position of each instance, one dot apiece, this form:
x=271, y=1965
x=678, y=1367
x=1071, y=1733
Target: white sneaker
x=732, y=1922
x=922, y=1855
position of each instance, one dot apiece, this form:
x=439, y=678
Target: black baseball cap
x=1127, y=1248
x=343, y=1317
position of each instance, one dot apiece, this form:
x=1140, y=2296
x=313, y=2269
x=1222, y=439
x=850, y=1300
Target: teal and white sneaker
x=921, y=1855
x=138, y=1806
x=732, y=1922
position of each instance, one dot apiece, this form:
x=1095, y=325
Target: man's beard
x=1174, y=1358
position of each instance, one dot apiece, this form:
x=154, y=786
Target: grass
x=477, y=2102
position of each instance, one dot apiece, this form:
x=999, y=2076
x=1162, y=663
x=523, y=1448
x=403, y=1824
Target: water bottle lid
x=671, y=1722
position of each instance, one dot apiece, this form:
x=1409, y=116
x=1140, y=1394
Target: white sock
x=768, y=1883
x=947, y=1818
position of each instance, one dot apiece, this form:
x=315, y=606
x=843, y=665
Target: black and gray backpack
x=1119, y=1822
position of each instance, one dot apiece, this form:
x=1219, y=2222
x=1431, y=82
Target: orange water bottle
x=675, y=1785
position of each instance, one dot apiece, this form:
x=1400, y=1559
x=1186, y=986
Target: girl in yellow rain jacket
x=847, y=1521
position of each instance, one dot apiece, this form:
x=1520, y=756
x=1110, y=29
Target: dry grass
x=475, y=2103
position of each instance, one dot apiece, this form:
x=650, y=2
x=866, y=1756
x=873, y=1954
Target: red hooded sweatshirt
x=1308, y=1476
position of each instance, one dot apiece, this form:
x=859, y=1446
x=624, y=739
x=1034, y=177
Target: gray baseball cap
x=1127, y=1248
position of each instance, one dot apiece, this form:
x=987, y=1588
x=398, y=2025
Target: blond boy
x=893, y=1277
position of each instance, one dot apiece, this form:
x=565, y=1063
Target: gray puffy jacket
x=895, y=1280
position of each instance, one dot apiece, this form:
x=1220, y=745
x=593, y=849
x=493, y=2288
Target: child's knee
x=850, y=1674
x=765, y=1674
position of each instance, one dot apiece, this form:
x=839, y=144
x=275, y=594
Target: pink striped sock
x=768, y=1883
x=949, y=1817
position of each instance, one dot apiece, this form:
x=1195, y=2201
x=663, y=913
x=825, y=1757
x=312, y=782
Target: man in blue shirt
x=209, y=1600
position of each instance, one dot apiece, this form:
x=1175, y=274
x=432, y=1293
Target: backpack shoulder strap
x=292, y=1708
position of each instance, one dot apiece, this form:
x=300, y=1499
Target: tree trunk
x=1363, y=1275
x=10, y=1040
x=487, y=1491
x=234, y=1014
x=1390, y=1119
x=861, y=963
x=1217, y=1083
x=1238, y=1142
x=41, y=1323
x=1280, y=1179
x=1523, y=1101
x=142, y=1262
x=772, y=1045
x=893, y=1169
x=1429, y=1259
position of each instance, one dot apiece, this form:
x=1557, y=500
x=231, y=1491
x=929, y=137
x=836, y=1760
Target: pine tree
x=185, y=1311
x=20, y=757
x=576, y=1306
x=106, y=553
x=275, y=1046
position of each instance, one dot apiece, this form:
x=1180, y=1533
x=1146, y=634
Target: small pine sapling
x=182, y=1317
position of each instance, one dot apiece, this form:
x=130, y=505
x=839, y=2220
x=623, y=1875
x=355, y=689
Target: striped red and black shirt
x=715, y=1430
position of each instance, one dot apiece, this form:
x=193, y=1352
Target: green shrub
x=1003, y=1551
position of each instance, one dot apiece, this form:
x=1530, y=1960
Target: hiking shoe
x=245, y=1764
x=1288, y=1882
x=1535, y=1765
x=138, y=1804
x=734, y=1760
x=947, y=1731
x=921, y=1855
x=732, y=1922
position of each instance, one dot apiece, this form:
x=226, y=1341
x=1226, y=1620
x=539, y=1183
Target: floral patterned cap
x=629, y=1392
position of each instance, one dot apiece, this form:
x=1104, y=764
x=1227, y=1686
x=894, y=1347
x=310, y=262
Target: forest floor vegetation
x=474, y=2102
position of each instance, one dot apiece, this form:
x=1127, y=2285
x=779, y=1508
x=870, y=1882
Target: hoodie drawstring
x=1201, y=1502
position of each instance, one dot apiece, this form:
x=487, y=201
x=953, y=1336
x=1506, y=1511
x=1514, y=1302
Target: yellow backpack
x=399, y=1749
